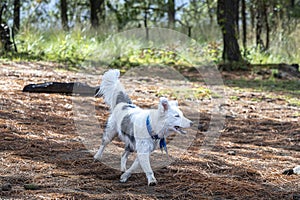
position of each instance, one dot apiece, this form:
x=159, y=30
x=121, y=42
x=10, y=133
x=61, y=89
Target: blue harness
x=162, y=142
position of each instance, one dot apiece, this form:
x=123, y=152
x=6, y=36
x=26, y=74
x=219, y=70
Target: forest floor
x=44, y=155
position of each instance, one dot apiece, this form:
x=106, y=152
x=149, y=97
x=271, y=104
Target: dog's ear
x=163, y=104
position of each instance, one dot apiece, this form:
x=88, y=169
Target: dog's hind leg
x=109, y=134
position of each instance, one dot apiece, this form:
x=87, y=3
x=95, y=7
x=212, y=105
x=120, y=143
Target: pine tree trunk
x=64, y=14
x=226, y=14
x=97, y=10
x=237, y=18
x=171, y=13
x=252, y=16
x=292, y=6
x=259, y=25
x=265, y=8
x=16, y=15
x=244, y=23
x=146, y=23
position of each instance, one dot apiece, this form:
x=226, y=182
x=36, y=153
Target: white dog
x=140, y=130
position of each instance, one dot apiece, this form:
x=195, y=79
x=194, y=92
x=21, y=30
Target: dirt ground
x=43, y=155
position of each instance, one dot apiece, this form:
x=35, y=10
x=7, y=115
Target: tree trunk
x=292, y=3
x=244, y=24
x=259, y=25
x=189, y=31
x=291, y=7
x=237, y=18
x=64, y=14
x=226, y=15
x=252, y=16
x=171, y=13
x=16, y=25
x=265, y=8
x=146, y=23
x=97, y=10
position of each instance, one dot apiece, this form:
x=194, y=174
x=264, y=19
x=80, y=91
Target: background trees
x=247, y=27
x=97, y=8
x=228, y=21
x=64, y=14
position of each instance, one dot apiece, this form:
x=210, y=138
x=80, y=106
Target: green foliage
x=81, y=43
x=295, y=12
x=214, y=51
x=289, y=87
x=287, y=90
x=71, y=48
x=149, y=57
x=192, y=93
x=78, y=45
x=282, y=51
x=131, y=13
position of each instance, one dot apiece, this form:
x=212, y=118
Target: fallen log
x=73, y=88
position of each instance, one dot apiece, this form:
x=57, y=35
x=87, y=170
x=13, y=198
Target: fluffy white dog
x=140, y=130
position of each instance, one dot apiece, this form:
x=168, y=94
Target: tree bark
x=252, y=16
x=291, y=7
x=226, y=15
x=267, y=26
x=146, y=23
x=259, y=25
x=244, y=24
x=16, y=15
x=237, y=19
x=64, y=14
x=97, y=10
x=171, y=13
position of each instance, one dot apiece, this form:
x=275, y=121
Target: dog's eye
x=177, y=115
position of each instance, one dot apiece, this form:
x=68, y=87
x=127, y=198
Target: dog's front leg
x=99, y=153
x=124, y=160
x=144, y=159
x=125, y=176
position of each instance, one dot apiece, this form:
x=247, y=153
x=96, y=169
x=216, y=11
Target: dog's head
x=175, y=121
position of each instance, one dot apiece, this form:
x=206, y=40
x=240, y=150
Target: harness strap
x=162, y=141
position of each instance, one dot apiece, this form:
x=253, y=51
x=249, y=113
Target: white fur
x=166, y=118
x=110, y=82
x=297, y=170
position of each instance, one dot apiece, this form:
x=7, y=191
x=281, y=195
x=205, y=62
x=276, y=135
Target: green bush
x=76, y=46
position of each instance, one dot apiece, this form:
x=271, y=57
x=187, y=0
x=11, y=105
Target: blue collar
x=162, y=142
x=148, y=124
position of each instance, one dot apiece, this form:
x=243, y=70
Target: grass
x=193, y=93
x=289, y=90
x=70, y=48
x=284, y=48
x=80, y=47
x=80, y=44
x=285, y=86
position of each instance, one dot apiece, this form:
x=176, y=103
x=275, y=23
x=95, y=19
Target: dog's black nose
x=191, y=123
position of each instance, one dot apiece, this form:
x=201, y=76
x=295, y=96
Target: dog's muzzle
x=179, y=129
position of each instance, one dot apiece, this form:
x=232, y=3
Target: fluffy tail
x=112, y=89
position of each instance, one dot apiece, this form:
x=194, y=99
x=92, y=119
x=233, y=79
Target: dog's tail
x=112, y=89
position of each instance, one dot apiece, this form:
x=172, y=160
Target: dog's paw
x=152, y=182
x=97, y=158
x=124, y=177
